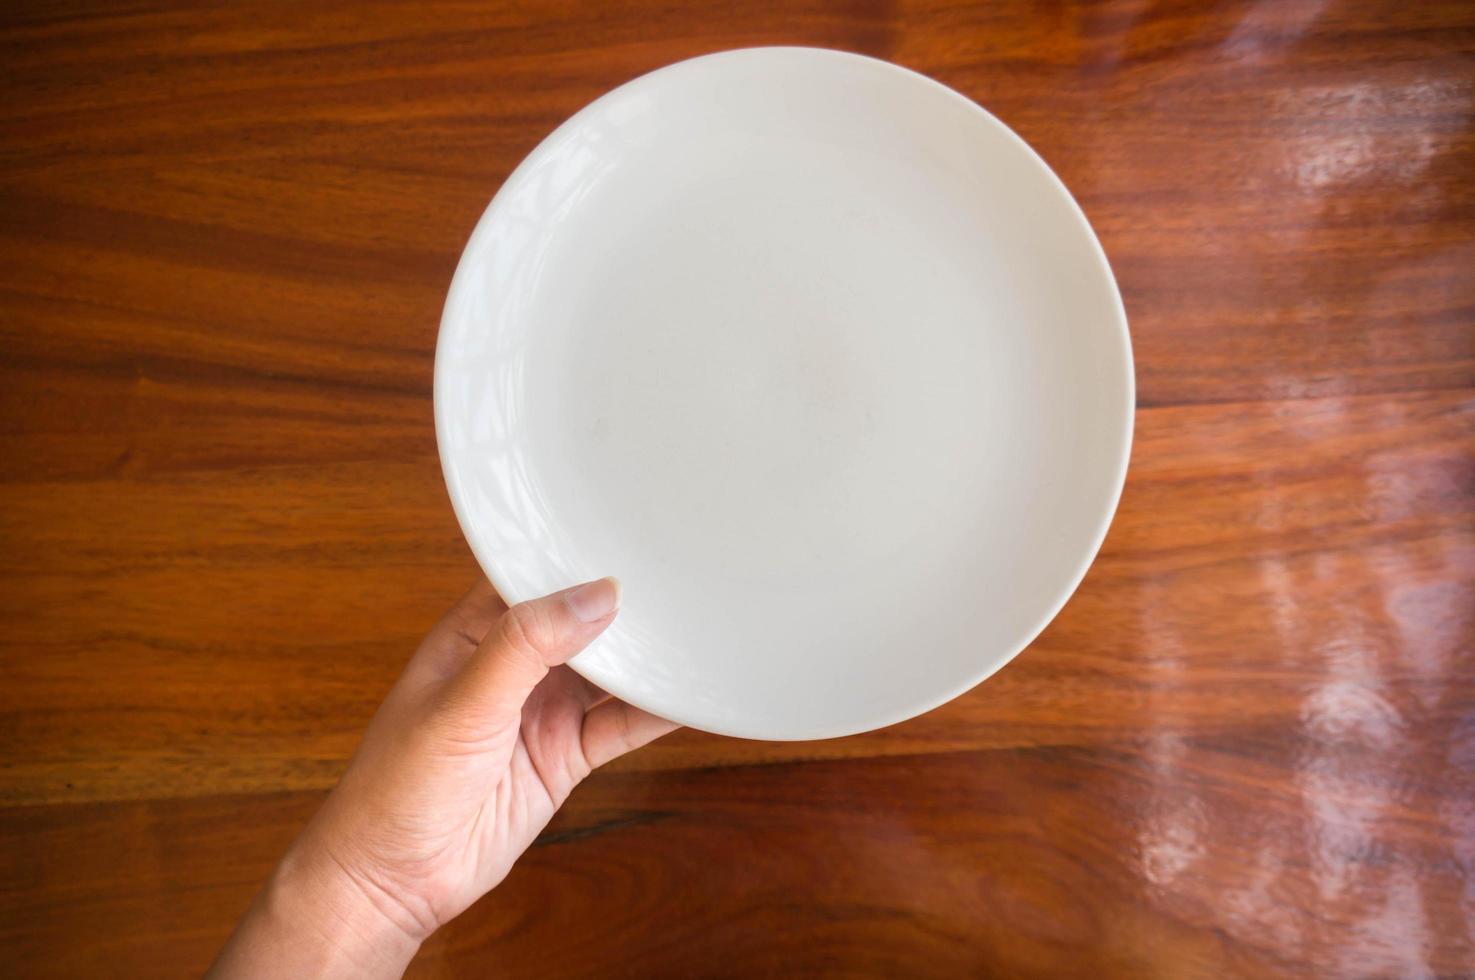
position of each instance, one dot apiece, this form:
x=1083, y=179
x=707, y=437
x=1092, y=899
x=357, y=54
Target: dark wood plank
x=1248, y=856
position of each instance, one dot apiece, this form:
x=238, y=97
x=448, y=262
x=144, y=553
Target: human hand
x=482, y=738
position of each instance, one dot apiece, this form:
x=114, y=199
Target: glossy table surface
x=1245, y=748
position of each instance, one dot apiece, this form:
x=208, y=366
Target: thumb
x=525, y=642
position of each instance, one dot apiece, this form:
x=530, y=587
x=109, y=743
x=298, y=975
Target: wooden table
x=1246, y=747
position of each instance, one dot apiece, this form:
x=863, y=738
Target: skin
x=481, y=739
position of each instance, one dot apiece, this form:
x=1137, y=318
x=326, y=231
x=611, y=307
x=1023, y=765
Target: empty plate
x=818, y=358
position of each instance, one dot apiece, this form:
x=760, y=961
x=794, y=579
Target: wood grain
x=1164, y=857
x=1244, y=748
x=1238, y=553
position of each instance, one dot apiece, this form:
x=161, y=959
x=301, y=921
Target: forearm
x=312, y=920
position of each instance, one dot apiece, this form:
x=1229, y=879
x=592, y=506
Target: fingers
x=478, y=609
x=515, y=654
x=563, y=687
x=525, y=642
x=452, y=641
x=613, y=728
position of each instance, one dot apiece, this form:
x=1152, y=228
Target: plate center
x=778, y=392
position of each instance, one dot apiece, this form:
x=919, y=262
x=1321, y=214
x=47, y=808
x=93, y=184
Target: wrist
x=349, y=929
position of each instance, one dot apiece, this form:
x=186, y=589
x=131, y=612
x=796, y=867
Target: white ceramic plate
x=814, y=354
